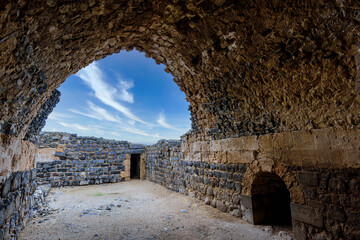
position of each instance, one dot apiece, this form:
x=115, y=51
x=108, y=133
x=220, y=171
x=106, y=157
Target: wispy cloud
x=162, y=122
x=93, y=77
x=125, y=95
x=57, y=116
x=75, y=126
x=98, y=113
x=137, y=132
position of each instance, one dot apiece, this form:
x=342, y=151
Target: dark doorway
x=135, y=166
x=270, y=200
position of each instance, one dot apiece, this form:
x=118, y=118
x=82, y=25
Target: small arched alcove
x=270, y=200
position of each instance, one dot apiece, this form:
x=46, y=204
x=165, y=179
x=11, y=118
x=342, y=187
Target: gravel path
x=135, y=210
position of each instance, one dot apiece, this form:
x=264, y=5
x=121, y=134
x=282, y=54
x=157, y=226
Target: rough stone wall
x=332, y=204
x=66, y=159
x=319, y=168
x=280, y=73
x=246, y=67
x=15, y=156
x=218, y=184
x=40, y=120
x=16, y=203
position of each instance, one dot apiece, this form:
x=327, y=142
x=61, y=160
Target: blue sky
x=125, y=96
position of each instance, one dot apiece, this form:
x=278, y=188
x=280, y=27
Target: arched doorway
x=270, y=200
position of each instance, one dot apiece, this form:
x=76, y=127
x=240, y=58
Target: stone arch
x=270, y=66
x=270, y=200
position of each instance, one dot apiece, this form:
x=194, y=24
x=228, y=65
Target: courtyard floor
x=136, y=210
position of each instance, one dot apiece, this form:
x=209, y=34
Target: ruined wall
x=16, y=203
x=320, y=168
x=332, y=204
x=281, y=73
x=215, y=183
x=65, y=159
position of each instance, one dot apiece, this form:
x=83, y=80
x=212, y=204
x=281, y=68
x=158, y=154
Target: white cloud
x=75, y=126
x=162, y=122
x=124, y=95
x=102, y=114
x=93, y=77
x=57, y=116
x=98, y=113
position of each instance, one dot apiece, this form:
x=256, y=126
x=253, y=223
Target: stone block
x=238, y=187
x=236, y=213
x=6, y=186
x=337, y=185
x=2, y=215
x=33, y=174
x=251, y=143
x=353, y=218
x=246, y=200
x=25, y=179
x=84, y=182
x=237, y=157
x=248, y=216
x=215, y=146
x=308, y=178
x=306, y=214
x=299, y=230
x=336, y=213
x=354, y=186
x=265, y=142
x=221, y=206
x=16, y=181
x=60, y=154
x=236, y=198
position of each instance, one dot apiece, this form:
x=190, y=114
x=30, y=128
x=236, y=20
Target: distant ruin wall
x=65, y=159
x=320, y=168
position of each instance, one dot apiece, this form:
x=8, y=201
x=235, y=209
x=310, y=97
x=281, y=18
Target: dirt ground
x=136, y=210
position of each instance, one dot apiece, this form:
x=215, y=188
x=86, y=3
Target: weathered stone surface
x=221, y=206
x=6, y=187
x=308, y=178
x=16, y=203
x=79, y=160
x=279, y=74
x=336, y=213
x=16, y=181
x=39, y=121
x=254, y=77
x=306, y=214
x=299, y=230
x=248, y=216
x=246, y=201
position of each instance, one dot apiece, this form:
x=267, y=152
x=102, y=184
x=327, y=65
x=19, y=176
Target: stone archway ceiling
x=246, y=67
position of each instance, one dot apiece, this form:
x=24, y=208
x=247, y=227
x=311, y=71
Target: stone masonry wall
x=65, y=159
x=319, y=168
x=332, y=204
x=16, y=202
x=217, y=184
